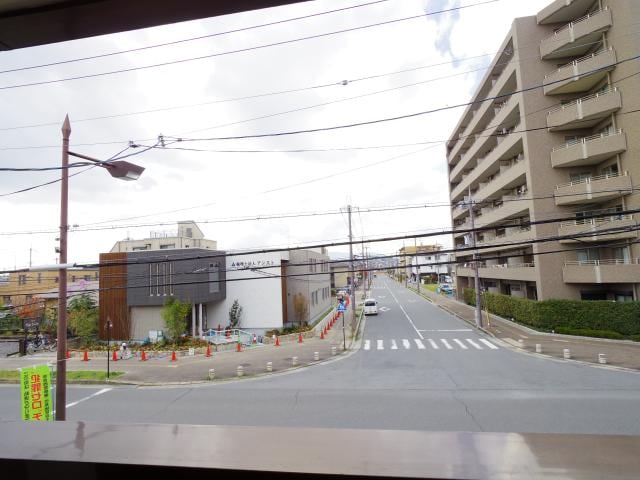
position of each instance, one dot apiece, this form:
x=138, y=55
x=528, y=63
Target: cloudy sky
x=210, y=185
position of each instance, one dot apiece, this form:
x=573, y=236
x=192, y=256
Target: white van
x=370, y=306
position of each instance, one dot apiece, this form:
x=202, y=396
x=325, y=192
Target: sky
x=392, y=70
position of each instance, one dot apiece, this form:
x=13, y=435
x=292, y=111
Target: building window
x=86, y=277
x=139, y=248
x=170, y=278
x=214, y=278
x=22, y=279
x=157, y=279
x=39, y=277
x=150, y=280
x=73, y=278
x=167, y=245
x=6, y=299
x=28, y=298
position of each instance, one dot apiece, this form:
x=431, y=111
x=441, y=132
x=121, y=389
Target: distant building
x=274, y=289
x=20, y=288
x=432, y=267
x=188, y=235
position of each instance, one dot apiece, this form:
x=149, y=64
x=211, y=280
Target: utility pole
x=30, y=249
x=478, y=315
x=415, y=243
x=353, y=276
x=61, y=365
x=404, y=262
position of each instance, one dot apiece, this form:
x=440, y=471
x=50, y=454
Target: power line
x=191, y=39
x=163, y=257
x=306, y=274
x=240, y=50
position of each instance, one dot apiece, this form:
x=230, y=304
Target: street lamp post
x=118, y=169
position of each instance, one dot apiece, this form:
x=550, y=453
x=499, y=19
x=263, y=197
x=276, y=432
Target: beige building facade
x=187, y=235
x=552, y=134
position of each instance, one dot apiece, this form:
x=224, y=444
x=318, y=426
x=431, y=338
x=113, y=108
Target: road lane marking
x=433, y=344
x=406, y=344
x=99, y=392
x=367, y=344
x=406, y=315
x=489, y=344
x=394, y=345
x=450, y=330
x=419, y=344
x=446, y=344
x=522, y=336
x=462, y=345
x=380, y=345
x=474, y=344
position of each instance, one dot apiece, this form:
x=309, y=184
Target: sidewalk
x=619, y=353
x=194, y=369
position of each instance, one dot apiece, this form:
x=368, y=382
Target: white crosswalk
x=435, y=344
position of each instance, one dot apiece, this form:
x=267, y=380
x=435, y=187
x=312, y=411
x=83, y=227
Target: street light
x=117, y=169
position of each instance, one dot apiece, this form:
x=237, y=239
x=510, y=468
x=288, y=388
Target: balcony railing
x=596, y=221
x=589, y=150
x=582, y=29
x=573, y=143
x=590, y=180
x=606, y=261
x=580, y=74
x=573, y=103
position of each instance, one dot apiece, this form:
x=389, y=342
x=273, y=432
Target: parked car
x=370, y=306
x=445, y=288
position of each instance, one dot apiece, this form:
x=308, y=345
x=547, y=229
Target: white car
x=370, y=306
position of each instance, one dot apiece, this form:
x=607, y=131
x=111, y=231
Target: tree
x=174, y=314
x=300, y=308
x=83, y=316
x=235, y=315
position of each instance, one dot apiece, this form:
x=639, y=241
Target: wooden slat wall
x=113, y=298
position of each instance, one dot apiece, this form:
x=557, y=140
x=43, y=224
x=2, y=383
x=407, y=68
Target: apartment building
x=187, y=235
x=432, y=267
x=551, y=135
x=408, y=254
x=21, y=288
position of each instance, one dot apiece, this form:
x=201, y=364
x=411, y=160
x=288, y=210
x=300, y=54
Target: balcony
x=601, y=188
x=563, y=11
x=601, y=271
x=513, y=206
x=598, y=229
x=506, y=147
x=506, y=180
x=580, y=75
x=584, y=112
x=525, y=272
x=577, y=37
x=514, y=235
x=460, y=210
x=589, y=150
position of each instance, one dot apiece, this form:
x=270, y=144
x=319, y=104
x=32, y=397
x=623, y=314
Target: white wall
x=144, y=319
x=261, y=300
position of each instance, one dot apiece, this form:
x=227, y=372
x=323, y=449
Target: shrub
x=620, y=317
x=586, y=332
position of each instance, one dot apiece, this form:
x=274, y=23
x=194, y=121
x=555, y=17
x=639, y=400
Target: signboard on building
x=35, y=393
x=247, y=264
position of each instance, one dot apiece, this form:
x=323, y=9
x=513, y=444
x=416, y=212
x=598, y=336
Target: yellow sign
x=35, y=391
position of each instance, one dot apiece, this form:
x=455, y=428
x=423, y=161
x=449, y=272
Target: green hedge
x=620, y=317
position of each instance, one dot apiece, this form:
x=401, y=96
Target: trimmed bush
x=599, y=315
x=585, y=332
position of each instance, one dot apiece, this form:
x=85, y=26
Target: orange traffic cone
x=173, y=357
x=277, y=341
x=238, y=347
x=85, y=358
x=68, y=354
x=208, y=351
x=300, y=338
x=114, y=358
x=143, y=357
x=322, y=335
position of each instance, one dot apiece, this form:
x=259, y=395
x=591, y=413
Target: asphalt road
x=418, y=368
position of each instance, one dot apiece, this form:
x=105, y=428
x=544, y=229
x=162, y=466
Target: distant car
x=445, y=288
x=370, y=306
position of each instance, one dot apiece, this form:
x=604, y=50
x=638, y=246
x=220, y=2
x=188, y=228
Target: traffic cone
x=300, y=338
x=208, y=351
x=322, y=335
x=85, y=358
x=238, y=347
x=277, y=341
x=143, y=357
x=173, y=357
x=114, y=358
x=68, y=354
